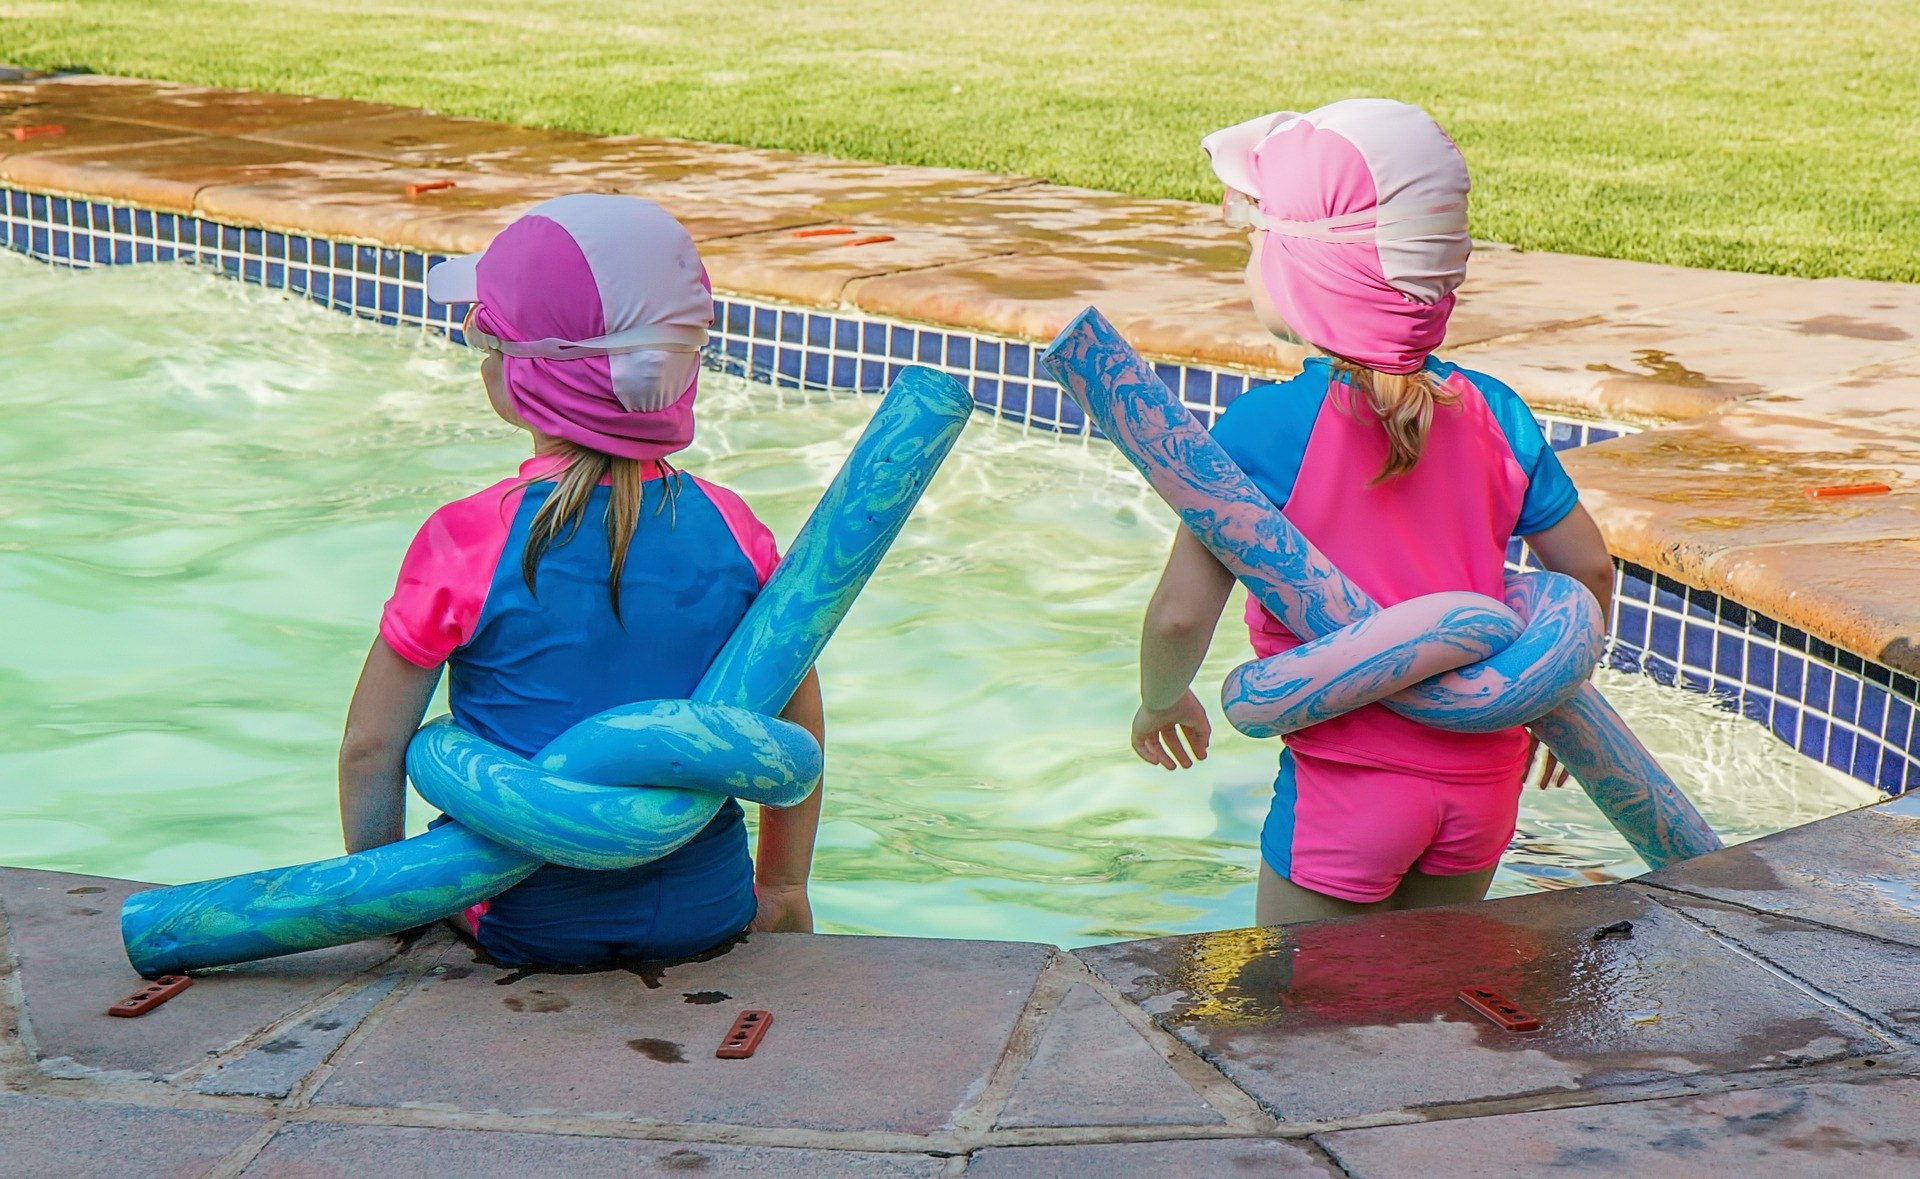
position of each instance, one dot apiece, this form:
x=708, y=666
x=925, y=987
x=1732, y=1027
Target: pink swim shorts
x=1353, y=831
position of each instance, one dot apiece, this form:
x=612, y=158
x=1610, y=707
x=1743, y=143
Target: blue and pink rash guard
x=1365, y=797
x=523, y=668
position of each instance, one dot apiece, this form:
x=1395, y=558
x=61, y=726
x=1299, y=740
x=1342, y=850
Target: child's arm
x=388, y=702
x=784, y=855
x=1179, y=625
x=1575, y=547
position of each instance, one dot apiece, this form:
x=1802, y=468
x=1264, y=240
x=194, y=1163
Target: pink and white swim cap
x=599, y=306
x=1364, y=207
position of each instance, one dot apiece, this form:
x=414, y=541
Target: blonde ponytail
x=1402, y=402
x=559, y=517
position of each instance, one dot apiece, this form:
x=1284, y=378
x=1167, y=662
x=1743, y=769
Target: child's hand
x=1157, y=733
x=782, y=910
x=1543, y=768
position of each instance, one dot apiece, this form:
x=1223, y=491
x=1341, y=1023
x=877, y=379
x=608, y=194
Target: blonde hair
x=1402, y=402
x=559, y=517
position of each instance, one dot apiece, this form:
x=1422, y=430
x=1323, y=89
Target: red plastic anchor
x=1506, y=1015
x=414, y=190
x=150, y=996
x=829, y=231
x=873, y=239
x=745, y=1035
x=36, y=131
x=1850, y=489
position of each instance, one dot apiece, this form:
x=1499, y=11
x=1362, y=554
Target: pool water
x=207, y=489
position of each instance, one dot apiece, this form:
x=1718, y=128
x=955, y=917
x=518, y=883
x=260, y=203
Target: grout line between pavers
x=1049, y=988
x=301, y=1095
x=352, y=985
x=1241, y=1109
x=1895, y=1064
x=1815, y=922
x=241, y=1157
x=16, y=1057
x=1813, y=991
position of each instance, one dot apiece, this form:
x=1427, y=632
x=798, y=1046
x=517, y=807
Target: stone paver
x=1722, y=503
x=168, y=175
x=1339, y=1018
x=312, y=1150
x=1859, y=871
x=1199, y=1158
x=1092, y=1069
x=278, y=1065
x=1787, y=1132
x=893, y=1034
x=64, y=934
x=41, y=1137
x=1867, y=974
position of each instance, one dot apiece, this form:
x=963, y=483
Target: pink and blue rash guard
x=523, y=666
x=1486, y=474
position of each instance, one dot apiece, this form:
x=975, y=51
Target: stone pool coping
x=1765, y=385
x=1759, y=1013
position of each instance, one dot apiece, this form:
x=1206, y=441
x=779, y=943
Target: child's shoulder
x=1263, y=407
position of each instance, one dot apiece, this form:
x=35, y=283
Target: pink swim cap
x=1364, y=207
x=599, y=306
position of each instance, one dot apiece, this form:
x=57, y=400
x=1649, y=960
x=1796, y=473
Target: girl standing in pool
x=597, y=576
x=1410, y=474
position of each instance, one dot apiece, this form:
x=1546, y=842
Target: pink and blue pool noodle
x=618, y=789
x=1456, y=661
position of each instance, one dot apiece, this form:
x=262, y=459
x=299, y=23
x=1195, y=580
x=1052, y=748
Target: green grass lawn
x=1765, y=135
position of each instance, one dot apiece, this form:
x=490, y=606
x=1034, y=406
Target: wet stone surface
x=1786, y=1131
x=1358, y=1016
x=893, y=1034
x=63, y=933
x=1858, y=871
x=353, y=1152
x=57, y=1136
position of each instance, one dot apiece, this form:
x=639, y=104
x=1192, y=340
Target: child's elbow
x=1179, y=626
x=363, y=751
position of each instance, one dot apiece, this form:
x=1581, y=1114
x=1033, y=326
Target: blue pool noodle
x=437, y=874
x=1540, y=678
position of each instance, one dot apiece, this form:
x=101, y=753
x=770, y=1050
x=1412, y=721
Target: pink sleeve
x=753, y=537
x=444, y=577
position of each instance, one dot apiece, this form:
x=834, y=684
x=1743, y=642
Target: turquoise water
x=206, y=491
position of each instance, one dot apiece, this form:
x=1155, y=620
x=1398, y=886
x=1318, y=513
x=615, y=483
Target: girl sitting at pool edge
x=1408, y=473
x=598, y=576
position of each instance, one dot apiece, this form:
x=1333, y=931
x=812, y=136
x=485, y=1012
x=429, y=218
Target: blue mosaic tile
x=900, y=342
x=846, y=372
x=1866, y=760
x=1664, y=637
x=818, y=372
x=1819, y=685
x=793, y=326
x=1697, y=645
x=1813, y=737
x=1786, y=722
x=1846, y=699
x=1789, y=671
x=959, y=351
x=1759, y=670
x=1839, y=752
x=1631, y=624
x=1755, y=706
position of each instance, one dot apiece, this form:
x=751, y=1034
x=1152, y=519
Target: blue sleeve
x=1265, y=430
x=1550, y=491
